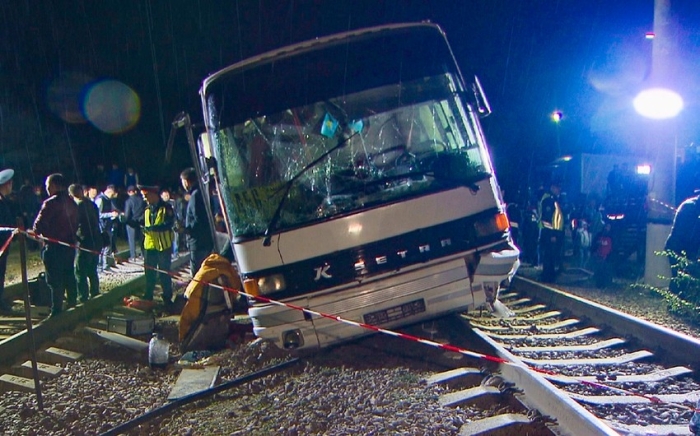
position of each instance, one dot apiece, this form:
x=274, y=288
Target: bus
x=354, y=179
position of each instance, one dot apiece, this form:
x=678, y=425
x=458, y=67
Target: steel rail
x=538, y=393
x=675, y=346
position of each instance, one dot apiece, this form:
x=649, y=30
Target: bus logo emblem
x=322, y=273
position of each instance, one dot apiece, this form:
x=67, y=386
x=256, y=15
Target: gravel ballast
x=349, y=390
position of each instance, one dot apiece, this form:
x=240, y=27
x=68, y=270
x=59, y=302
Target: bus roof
x=301, y=47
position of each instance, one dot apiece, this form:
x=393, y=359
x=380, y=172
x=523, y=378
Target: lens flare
x=64, y=96
x=112, y=106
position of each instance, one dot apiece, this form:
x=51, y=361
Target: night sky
x=74, y=73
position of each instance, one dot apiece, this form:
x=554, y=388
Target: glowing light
x=644, y=169
x=557, y=116
x=650, y=35
x=355, y=228
x=658, y=103
x=112, y=106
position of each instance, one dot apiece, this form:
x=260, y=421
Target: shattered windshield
x=383, y=145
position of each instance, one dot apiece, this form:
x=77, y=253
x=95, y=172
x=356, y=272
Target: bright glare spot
x=658, y=103
x=650, y=35
x=557, y=116
x=566, y=158
x=112, y=106
x=355, y=228
x=644, y=169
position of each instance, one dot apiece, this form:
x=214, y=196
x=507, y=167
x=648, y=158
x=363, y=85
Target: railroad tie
x=652, y=377
x=11, y=382
x=45, y=370
x=569, y=335
x=538, y=327
x=452, y=374
x=617, y=360
x=691, y=397
x=652, y=429
x=492, y=423
x=595, y=346
x=58, y=355
x=539, y=317
x=463, y=396
x=191, y=381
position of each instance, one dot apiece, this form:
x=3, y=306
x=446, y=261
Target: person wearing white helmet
x=8, y=218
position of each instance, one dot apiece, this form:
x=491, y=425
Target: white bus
x=355, y=180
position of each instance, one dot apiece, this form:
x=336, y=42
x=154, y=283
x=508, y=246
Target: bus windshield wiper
x=288, y=186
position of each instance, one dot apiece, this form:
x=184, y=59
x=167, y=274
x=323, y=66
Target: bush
x=683, y=294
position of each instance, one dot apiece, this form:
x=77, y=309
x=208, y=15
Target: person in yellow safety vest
x=551, y=224
x=157, y=243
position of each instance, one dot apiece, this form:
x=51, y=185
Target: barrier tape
x=376, y=329
x=6, y=245
x=666, y=205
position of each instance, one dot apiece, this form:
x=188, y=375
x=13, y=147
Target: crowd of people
x=158, y=224
x=545, y=226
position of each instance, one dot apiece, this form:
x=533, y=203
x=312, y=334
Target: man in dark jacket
x=8, y=218
x=58, y=221
x=90, y=240
x=197, y=230
x=109, y=213
x=134, y=208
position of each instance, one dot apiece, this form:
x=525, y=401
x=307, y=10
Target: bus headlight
x=292, y=339
x=273, y=283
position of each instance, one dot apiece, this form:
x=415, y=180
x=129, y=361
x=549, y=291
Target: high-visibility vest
x=554, y=222
x=158, y=234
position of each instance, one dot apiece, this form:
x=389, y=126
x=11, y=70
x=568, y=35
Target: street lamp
x=557, y=116
x=658, y=103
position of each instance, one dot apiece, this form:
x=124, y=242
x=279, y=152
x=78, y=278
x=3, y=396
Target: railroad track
x=126, y=279
x=574, y=367
x=499, y=395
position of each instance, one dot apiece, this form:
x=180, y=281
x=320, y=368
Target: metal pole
x=661, y=146
x=28, y=312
